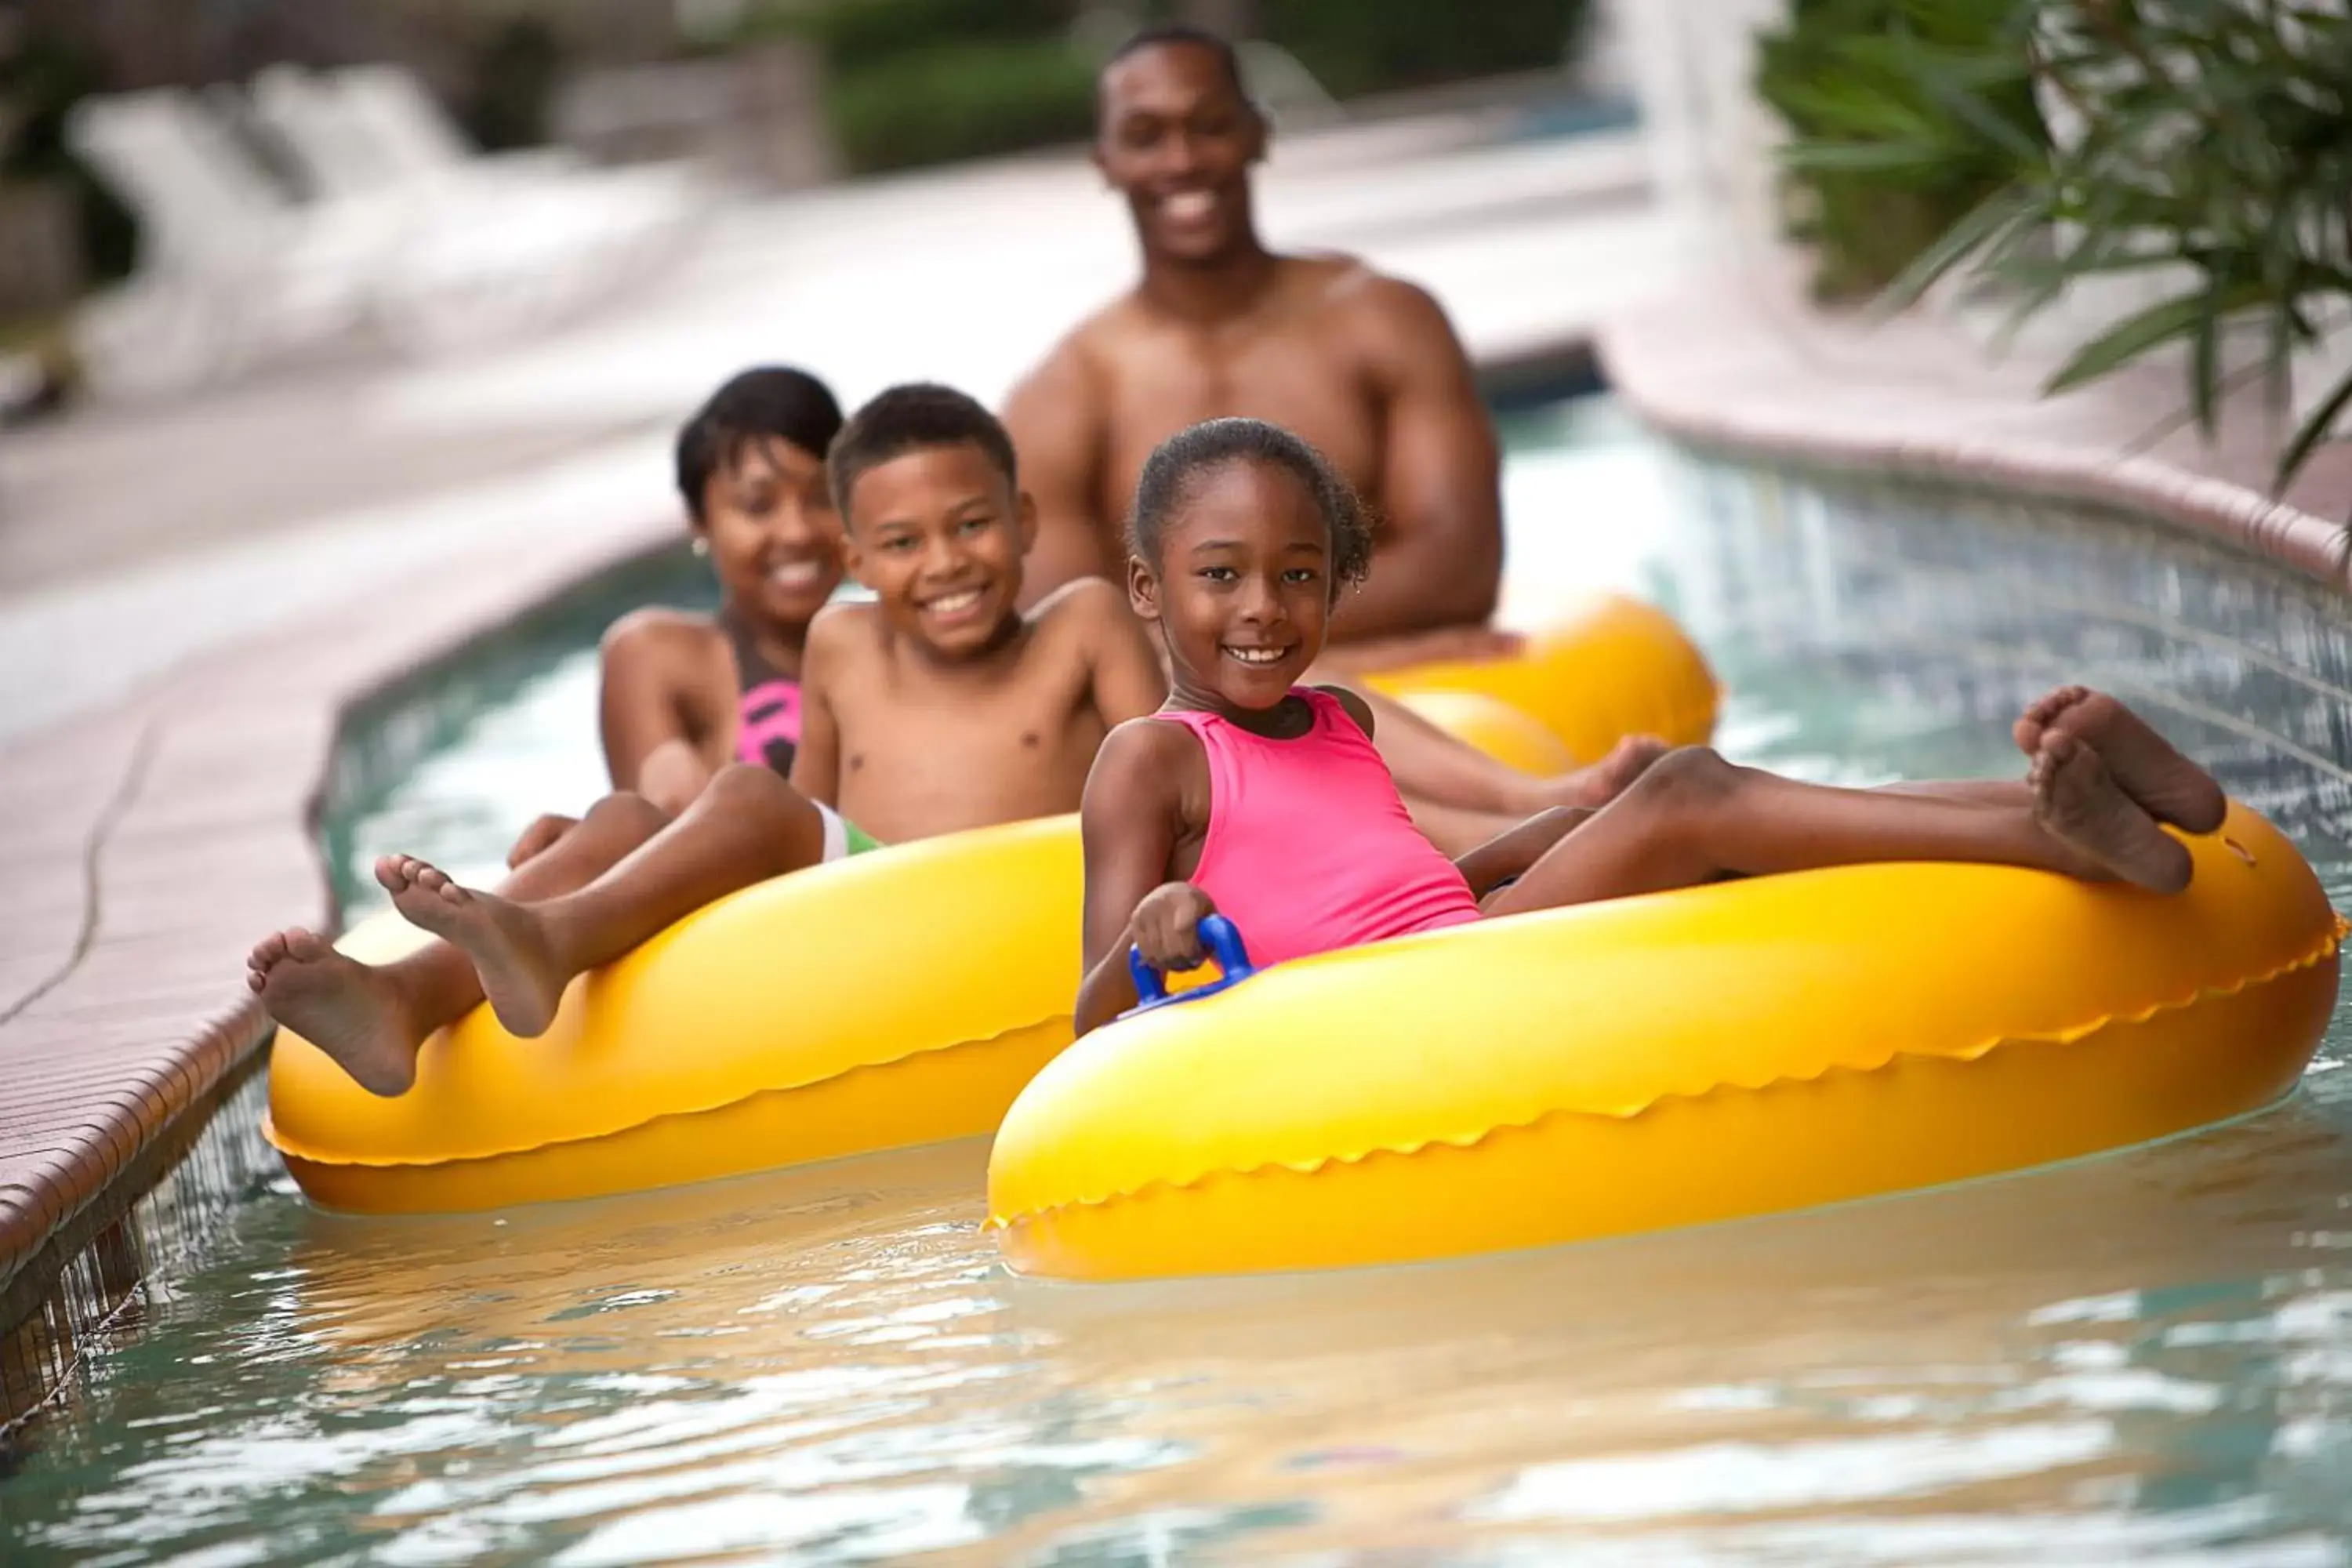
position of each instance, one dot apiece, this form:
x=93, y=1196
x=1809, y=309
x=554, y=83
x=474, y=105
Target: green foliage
x=1904, y=116
x=2211, y=139
x=962, y=101
x=855, y=35
x=1354, y=47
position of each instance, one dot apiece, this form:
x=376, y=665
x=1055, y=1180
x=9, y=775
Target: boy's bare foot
x=2144, y=764
x=508, y=945
x=2080, y=804
x=350, y=1012
x=1595, y=787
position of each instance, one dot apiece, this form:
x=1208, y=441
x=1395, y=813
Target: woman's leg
x=1694, y=817
x=745, y=827
x=371, y=1017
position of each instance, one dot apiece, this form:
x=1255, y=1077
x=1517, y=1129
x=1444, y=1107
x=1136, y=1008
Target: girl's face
x=1241, y=590
x=775, y=539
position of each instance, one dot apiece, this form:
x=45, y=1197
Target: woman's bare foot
x=354, y=1013
x=520, y=978
x=2144, y=764
x=2079, y=802
x=1595, y=787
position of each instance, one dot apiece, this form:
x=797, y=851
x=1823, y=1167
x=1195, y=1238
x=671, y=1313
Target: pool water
x=2143, y=1357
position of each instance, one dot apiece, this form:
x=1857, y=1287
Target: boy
x=937, y=708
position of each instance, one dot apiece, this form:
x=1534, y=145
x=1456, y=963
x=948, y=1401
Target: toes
x=392, y=872
x=266, y=952
x=305, y=946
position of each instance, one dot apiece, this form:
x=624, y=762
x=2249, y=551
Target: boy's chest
x=913, y=728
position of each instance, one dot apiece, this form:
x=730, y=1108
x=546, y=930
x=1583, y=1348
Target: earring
x=701, y=546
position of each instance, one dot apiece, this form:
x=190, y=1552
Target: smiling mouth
x=795, y=575
x=1188, y=206
x=954, y=603
x=1256, y=656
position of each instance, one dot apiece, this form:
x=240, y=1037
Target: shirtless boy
x=937, y=708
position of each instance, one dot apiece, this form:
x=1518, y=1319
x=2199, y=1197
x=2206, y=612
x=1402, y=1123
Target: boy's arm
x=1128, y=822
x=1055, y=420
x=1128, y=680
x=1510, y=853
x=817, y=757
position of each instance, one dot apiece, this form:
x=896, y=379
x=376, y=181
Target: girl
x=1248, y=794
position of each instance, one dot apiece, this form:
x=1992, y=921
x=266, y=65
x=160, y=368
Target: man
x=1365, y=367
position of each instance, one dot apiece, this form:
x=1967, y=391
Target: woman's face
x=775, y=539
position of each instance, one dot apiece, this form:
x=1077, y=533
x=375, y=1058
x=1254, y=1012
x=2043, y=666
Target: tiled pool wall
x=1969, y=602
x=1954, y=602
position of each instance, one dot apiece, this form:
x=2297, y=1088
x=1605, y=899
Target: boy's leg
x=1694, y=817
x=371, y=1017
x=745, y=827
x=1434, y=767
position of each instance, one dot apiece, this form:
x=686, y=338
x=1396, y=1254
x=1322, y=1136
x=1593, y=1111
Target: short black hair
x=908, y=418
x=1176, y=467
x=767, y=402
x=1159, y=32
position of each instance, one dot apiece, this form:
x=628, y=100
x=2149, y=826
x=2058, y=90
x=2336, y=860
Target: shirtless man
x=938, y=707
x=1365, y=367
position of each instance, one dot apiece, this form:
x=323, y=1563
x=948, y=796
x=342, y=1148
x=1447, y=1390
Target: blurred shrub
x=2206, y=147
x=41, y=77
x=1356, y=47
x=965, y=100
x=1904, y=116
x=858, y=34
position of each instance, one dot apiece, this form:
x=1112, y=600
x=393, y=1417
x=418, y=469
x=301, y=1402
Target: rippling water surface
x=2144, y=1358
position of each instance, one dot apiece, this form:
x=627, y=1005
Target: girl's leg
x=745, y=827
x=371, y=1017
x=1694, y=817
x=1433, y=768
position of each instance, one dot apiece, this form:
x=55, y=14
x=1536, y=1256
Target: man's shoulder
x=1081, y=605
x=844, y=631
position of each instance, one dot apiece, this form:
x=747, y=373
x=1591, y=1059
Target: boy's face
x=775, y=539
x=1242, y=589
x=939, y=535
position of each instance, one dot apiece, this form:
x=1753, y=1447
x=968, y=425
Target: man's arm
x=1055, y=422
x=1441, y=546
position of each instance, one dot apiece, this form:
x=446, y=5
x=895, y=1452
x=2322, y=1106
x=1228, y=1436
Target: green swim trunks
x=844, y=838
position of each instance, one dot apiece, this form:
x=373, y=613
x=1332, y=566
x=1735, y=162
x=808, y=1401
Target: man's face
x=1177, y=138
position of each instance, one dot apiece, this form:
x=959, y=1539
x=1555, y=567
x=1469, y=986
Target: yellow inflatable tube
x=893, y=999
x=896, y=998
x=1668, y=1061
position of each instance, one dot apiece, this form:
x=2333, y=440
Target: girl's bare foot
x=2144, y=764
x=1595, y=787
x=2079, y=802
x=520, y=978
x=353, y=1012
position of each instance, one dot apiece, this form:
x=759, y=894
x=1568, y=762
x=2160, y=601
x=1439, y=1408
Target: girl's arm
x=1510, y=853
x=1130, y=820
x=816, y=756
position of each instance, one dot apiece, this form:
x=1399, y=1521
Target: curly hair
x=1178, y=467
x=910, y=418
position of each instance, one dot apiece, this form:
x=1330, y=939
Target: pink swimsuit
x=768, y=713
x=1308, y=847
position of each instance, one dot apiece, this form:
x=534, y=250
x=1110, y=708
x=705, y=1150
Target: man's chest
x=1296, y=384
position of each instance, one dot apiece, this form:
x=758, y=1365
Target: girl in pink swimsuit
x=1250, y=795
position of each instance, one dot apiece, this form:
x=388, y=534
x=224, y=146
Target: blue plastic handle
x=1224, y=944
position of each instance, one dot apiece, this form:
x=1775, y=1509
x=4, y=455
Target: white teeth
x=1257, y=654
x=950, y=603
x=799, y=574
x=1187, y=206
